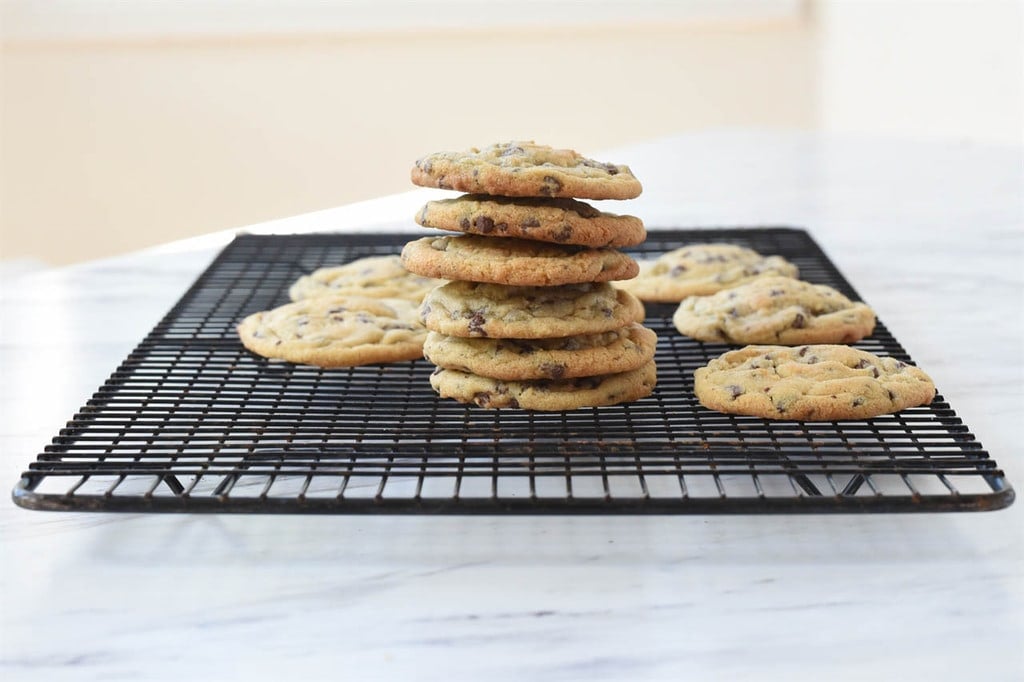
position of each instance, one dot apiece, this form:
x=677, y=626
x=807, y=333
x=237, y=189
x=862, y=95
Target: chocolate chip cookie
x=375, y=277
x=499, y=311
x=518, y=262
x=336, y=332
x=810, y=383
x=702, y=269
x=778, y=310
x=545, y=394
x=560, y=221
x=610, y=352
x=525, y=169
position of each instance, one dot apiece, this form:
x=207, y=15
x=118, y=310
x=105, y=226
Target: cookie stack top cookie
x=526, y=169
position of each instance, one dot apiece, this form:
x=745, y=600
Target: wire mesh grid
x=191, y=421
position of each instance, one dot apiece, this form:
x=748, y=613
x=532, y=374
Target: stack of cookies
x=529, y=319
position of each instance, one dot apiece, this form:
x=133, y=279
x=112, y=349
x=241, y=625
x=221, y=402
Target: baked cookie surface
x=336, y=332
x=545, y=394
x=374, y=277
x=525, y=169
x=776, y=310
x=810, y=383
x=518, y=262
x=470, y=309
x=560, y=221
x=702, y=269
x=612, y=352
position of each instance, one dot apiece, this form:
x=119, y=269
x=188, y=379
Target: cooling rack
x=192, y=422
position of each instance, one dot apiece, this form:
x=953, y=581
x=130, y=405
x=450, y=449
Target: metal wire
x=191, y=421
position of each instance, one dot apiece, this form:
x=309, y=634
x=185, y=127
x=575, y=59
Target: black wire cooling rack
x=192, y=422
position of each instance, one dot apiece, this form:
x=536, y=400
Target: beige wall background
x=123, y=129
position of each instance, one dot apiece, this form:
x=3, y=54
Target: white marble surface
x=932, y=235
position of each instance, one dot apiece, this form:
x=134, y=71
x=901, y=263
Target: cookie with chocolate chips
x=545, y=394
x=612, y=352
x=560, y=221
x=373, y=277
x=525, y=169
x=519, y=262
x=702, y=269
x=336, y=331
x=471, y=309
x=778, y=310
x=810, y=383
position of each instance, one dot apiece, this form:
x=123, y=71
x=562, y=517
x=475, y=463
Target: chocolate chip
x=484, y=224
x=803, y=351
x=892, y=396
x=799, y=322
x=608, y=167
x=501, y=227
x=482, y=398
x=733, y=313
x=857, y=402
x=677, y=270
x=607, y=312
x=464, y=223
x=552, y=186
x=513, y=150
x=734, y=390
x=476, y=323
x=513, y=403
x=776, y=292
x=564, y=234
x=554, y=370
x=520, y=347
x=530, y=222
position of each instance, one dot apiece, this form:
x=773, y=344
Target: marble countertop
x=931, y=234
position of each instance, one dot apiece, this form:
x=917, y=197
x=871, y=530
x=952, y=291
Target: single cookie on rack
x=507, y=312
x=374, y=277
x=612, y=352
x=702, y=269
x=560, y=221
x=525, y=169
x=518, y=262
x=777, y=310
x=810, y=383
x=336, y=331
x=545, y=394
